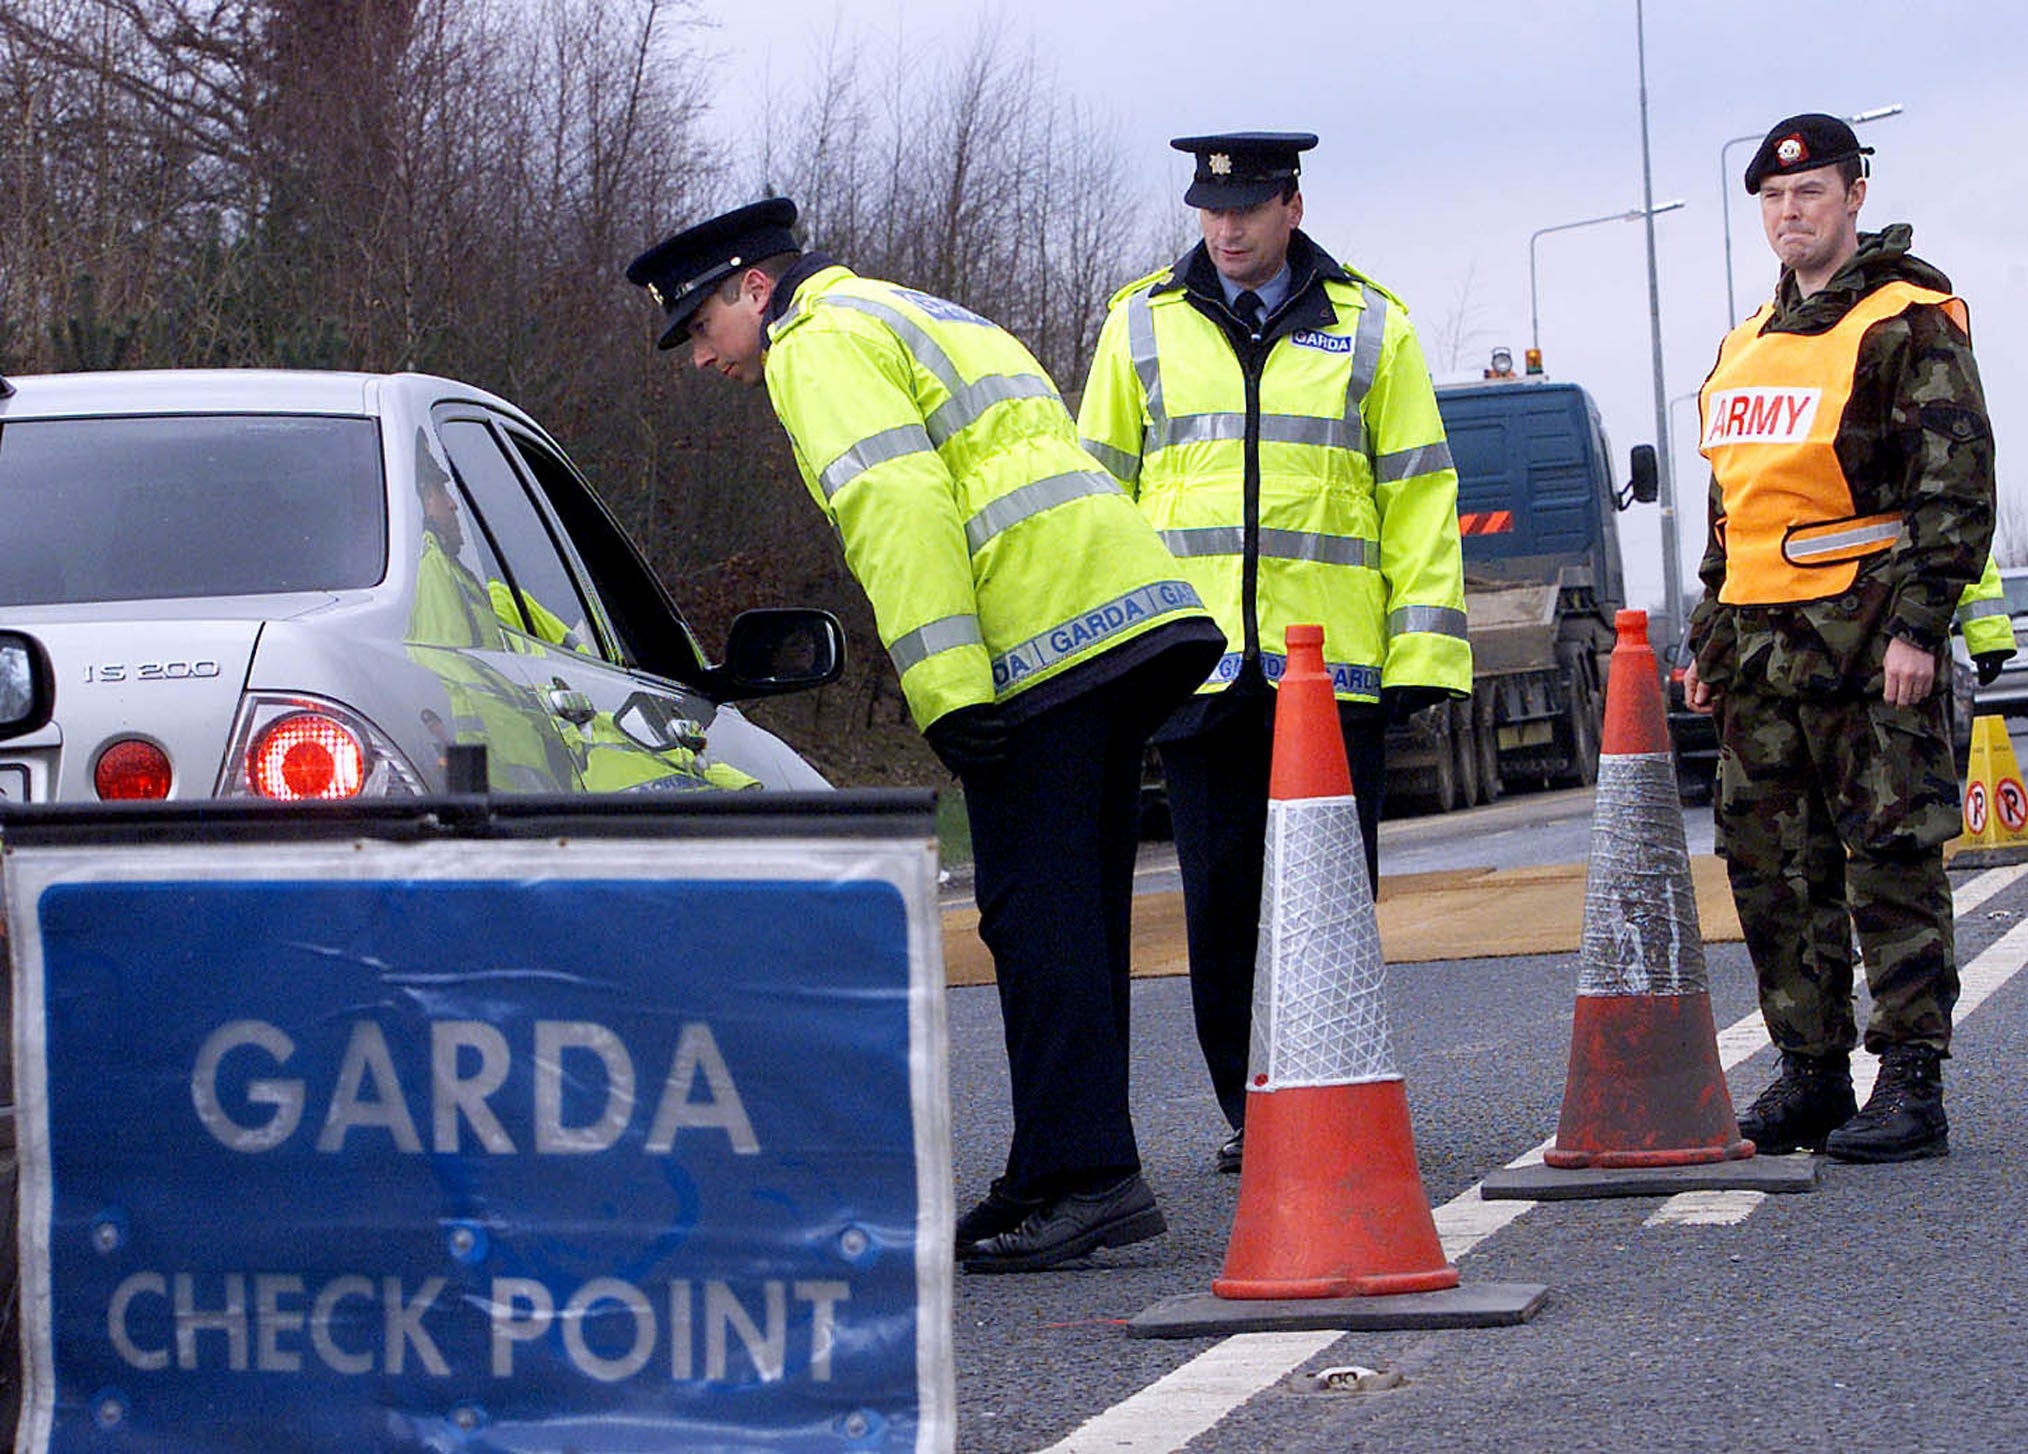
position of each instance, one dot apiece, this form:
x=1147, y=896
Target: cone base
x=1330, y=1199
x=1770, y=1175
x=1480, y=1305
x=1645, y=1087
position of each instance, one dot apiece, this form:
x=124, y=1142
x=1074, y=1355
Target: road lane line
x=1194, y=1398
x=1173, y=1410
x=1706, y=1209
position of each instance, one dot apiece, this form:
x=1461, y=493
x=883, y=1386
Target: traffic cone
x=1330, y=1198
x=1333, y=1228
x=1996, y=804
x=1646, y=1091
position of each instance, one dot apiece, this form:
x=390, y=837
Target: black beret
x=680, y=273
x=1241, y=168
x=1801, y=144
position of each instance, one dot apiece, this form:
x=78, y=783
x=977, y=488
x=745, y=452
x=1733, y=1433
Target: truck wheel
x=1443, y=780
x=1465, y=749
x=1488, y=733
x=1581, y=730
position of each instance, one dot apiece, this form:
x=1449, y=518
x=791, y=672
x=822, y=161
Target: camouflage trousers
x=1831, y=817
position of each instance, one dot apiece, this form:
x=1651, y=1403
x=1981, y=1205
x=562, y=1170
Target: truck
x=1537, y=511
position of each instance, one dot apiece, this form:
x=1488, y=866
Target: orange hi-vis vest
x=1770, y=414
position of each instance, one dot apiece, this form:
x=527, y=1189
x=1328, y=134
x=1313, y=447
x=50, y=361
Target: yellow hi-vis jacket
x=1770, y=413
x=996, y=553
x=1982, y=615
x=1319, y=489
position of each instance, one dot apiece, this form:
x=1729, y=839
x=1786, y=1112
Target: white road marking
x=1194, y=1398
x=1172, y=1411
x=1706, y=1209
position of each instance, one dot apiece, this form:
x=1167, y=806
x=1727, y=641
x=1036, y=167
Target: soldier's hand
x=1697, y=693
x=1910, y=673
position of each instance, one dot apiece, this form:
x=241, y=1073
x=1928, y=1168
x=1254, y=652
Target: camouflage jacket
x=1914, y=438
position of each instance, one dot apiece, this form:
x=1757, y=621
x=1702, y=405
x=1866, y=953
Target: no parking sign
x=605, y=1131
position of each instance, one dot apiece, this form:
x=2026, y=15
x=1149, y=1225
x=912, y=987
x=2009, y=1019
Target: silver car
x=311, y=585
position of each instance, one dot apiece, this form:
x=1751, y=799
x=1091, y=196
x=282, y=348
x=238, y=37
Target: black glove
x=1404, y=702
x=1989, y=664
x=968, y=738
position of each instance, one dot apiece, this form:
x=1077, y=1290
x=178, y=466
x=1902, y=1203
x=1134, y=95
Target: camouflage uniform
x=1823, y=788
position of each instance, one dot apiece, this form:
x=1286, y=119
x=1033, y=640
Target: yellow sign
x=1996, y=802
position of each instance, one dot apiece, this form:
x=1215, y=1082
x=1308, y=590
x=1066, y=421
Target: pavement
x=1466, y=913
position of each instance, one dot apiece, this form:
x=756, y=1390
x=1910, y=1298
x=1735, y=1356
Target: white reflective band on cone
x=1319, y=1003
x=1640, y=904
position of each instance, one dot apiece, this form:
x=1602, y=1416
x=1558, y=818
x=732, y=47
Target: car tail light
x=306, y=755
x=131, y=770
x=293, y=747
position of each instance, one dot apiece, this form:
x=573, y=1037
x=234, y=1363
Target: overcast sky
x=1453, y=129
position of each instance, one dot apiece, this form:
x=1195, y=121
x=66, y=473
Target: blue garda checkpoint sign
x=555, y=1130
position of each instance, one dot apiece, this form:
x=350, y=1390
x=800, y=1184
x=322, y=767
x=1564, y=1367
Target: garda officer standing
x=1041, y=632
x=1270, y=411
x=1851, y=506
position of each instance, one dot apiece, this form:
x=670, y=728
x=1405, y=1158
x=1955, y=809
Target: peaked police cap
x=1241, y=168
x=679, y=273
x=1801, y=144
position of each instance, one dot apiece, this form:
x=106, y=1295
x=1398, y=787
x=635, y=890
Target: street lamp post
x=1665, y=496
x=1634, y=214
x=1858, y=118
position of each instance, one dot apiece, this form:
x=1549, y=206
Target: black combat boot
x=1809, y=1100
x=1904, y=1117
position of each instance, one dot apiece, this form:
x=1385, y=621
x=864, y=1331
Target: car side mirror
x=776, y=650
x=27, y=686
x=1645, y=485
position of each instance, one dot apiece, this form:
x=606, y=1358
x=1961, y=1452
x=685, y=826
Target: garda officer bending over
x=1040, y=631
x=1851, y=506
x=1270, y=411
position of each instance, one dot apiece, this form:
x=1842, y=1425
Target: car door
x=627, y=730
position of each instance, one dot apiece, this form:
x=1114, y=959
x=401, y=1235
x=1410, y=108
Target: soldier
x=1270, y=410
x=1851, y=506
x=1040, y=631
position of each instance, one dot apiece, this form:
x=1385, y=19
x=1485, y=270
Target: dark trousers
x=1055, y=832
x=1217, y=777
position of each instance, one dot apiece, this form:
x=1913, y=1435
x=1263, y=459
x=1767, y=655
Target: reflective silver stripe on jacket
x=1141, y=344
x=1274, y=544
x=1124, y=466
x=968, y=401
x=1404, y=464
x=1083, y=632
x=946, y=634
x=872, y=450
x=1974, y=610
x=1274, y=429
x=1835, y=542
x=1032, y=499
x=1366, y=341
x=1437, y=620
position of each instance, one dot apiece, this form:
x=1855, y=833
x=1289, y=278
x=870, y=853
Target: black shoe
x=1072, y=1226
x=1231, y=1153
x=1809, y=1100
x=1904, y=1117
x=1001, y=1211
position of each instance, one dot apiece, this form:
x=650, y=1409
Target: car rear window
x=136, y=509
